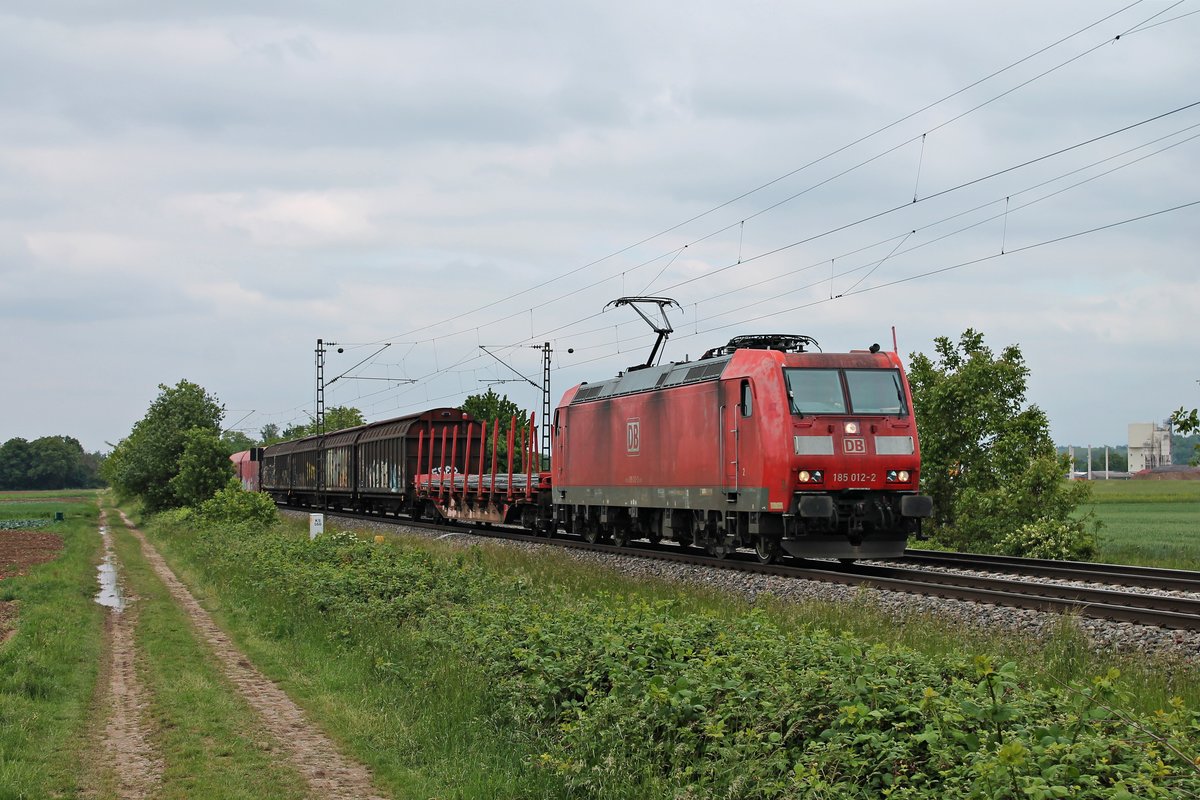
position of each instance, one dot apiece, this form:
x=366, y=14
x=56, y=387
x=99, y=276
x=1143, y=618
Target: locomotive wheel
x=716, y=550
x=767, y=549
x=591, y=532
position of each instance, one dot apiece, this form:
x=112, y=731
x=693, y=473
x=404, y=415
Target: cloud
x=206, y=189
x=284, y=219
x=91, y=252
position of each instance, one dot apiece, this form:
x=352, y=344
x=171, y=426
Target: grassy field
x=48, y=668
x=1156, y=523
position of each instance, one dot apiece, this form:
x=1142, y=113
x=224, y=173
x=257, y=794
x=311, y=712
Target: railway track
x=1113, y=574
x=908, y=575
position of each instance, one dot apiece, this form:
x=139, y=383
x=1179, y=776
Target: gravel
x=1102, y=635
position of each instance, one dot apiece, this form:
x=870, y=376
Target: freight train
x=759, y=444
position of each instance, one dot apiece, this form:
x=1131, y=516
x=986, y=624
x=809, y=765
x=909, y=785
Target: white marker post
x=316, y=525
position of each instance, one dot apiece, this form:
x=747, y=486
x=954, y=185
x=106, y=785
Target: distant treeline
x=51, y=462
x=1185, y=449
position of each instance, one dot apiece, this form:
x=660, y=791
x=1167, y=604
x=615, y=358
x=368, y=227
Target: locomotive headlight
x=903, y=476
x=816, y=476
x=898, y=476
x=851, y=428
x=804, y=476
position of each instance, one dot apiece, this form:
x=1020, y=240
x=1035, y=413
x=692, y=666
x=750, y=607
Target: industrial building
x=1149, y=446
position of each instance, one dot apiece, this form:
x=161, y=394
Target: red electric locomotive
x=758, y=444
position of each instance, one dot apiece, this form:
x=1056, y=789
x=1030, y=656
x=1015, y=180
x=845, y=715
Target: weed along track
x=327, y=773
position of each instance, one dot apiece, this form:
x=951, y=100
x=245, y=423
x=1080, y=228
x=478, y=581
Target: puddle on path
x=110, y=594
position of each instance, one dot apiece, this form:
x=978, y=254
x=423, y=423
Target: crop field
x=50, y=639
x=1156, y=523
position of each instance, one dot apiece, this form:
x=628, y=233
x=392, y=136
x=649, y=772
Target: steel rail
x=1118, y=574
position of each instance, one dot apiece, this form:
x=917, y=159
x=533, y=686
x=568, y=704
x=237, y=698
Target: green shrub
x=1048, y=538
x=235, y=504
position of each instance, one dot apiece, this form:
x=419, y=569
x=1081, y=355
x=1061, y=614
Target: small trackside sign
x=633, y=436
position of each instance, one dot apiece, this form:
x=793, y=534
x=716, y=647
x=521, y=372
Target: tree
x=1118, y=460
x=204, y=467
x=987, y=459
x=1188, y=423
x=498, y=411
x=144, y=463
x=51, y=462
x=337, y=418
x=57, y=463
x=15, y=460
x=236, y=442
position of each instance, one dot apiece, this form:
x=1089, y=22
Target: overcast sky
x=202, y=190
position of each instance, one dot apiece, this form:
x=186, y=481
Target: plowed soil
x=20, y=550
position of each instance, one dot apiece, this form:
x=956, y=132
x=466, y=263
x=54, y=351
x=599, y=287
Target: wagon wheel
x=620, y=535
x=767, y=549
x=529, y=519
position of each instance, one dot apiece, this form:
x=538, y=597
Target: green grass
x=1155, y=523
x=359, y=643
x=48, y=669
x=211, y=742
x=426, y=730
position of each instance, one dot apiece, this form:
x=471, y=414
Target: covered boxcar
x=375, y=467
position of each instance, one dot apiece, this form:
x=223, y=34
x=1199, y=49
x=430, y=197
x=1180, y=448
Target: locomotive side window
x=815, y=391
x=876, y=391
x=747, y=399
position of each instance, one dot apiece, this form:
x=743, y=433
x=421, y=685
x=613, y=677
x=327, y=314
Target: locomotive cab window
x=747, y=399
x=851, y=391
x=876, y=391
x=815, y=391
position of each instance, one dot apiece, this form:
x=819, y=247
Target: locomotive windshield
x=824, y=391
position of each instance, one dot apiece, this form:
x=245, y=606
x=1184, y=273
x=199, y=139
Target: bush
x=1048, y=538
x=989, y=520
x=623, y=697
x=235, y=504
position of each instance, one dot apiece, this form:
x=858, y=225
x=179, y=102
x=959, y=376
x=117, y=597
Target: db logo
x=854, y=446
x=633, y=436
